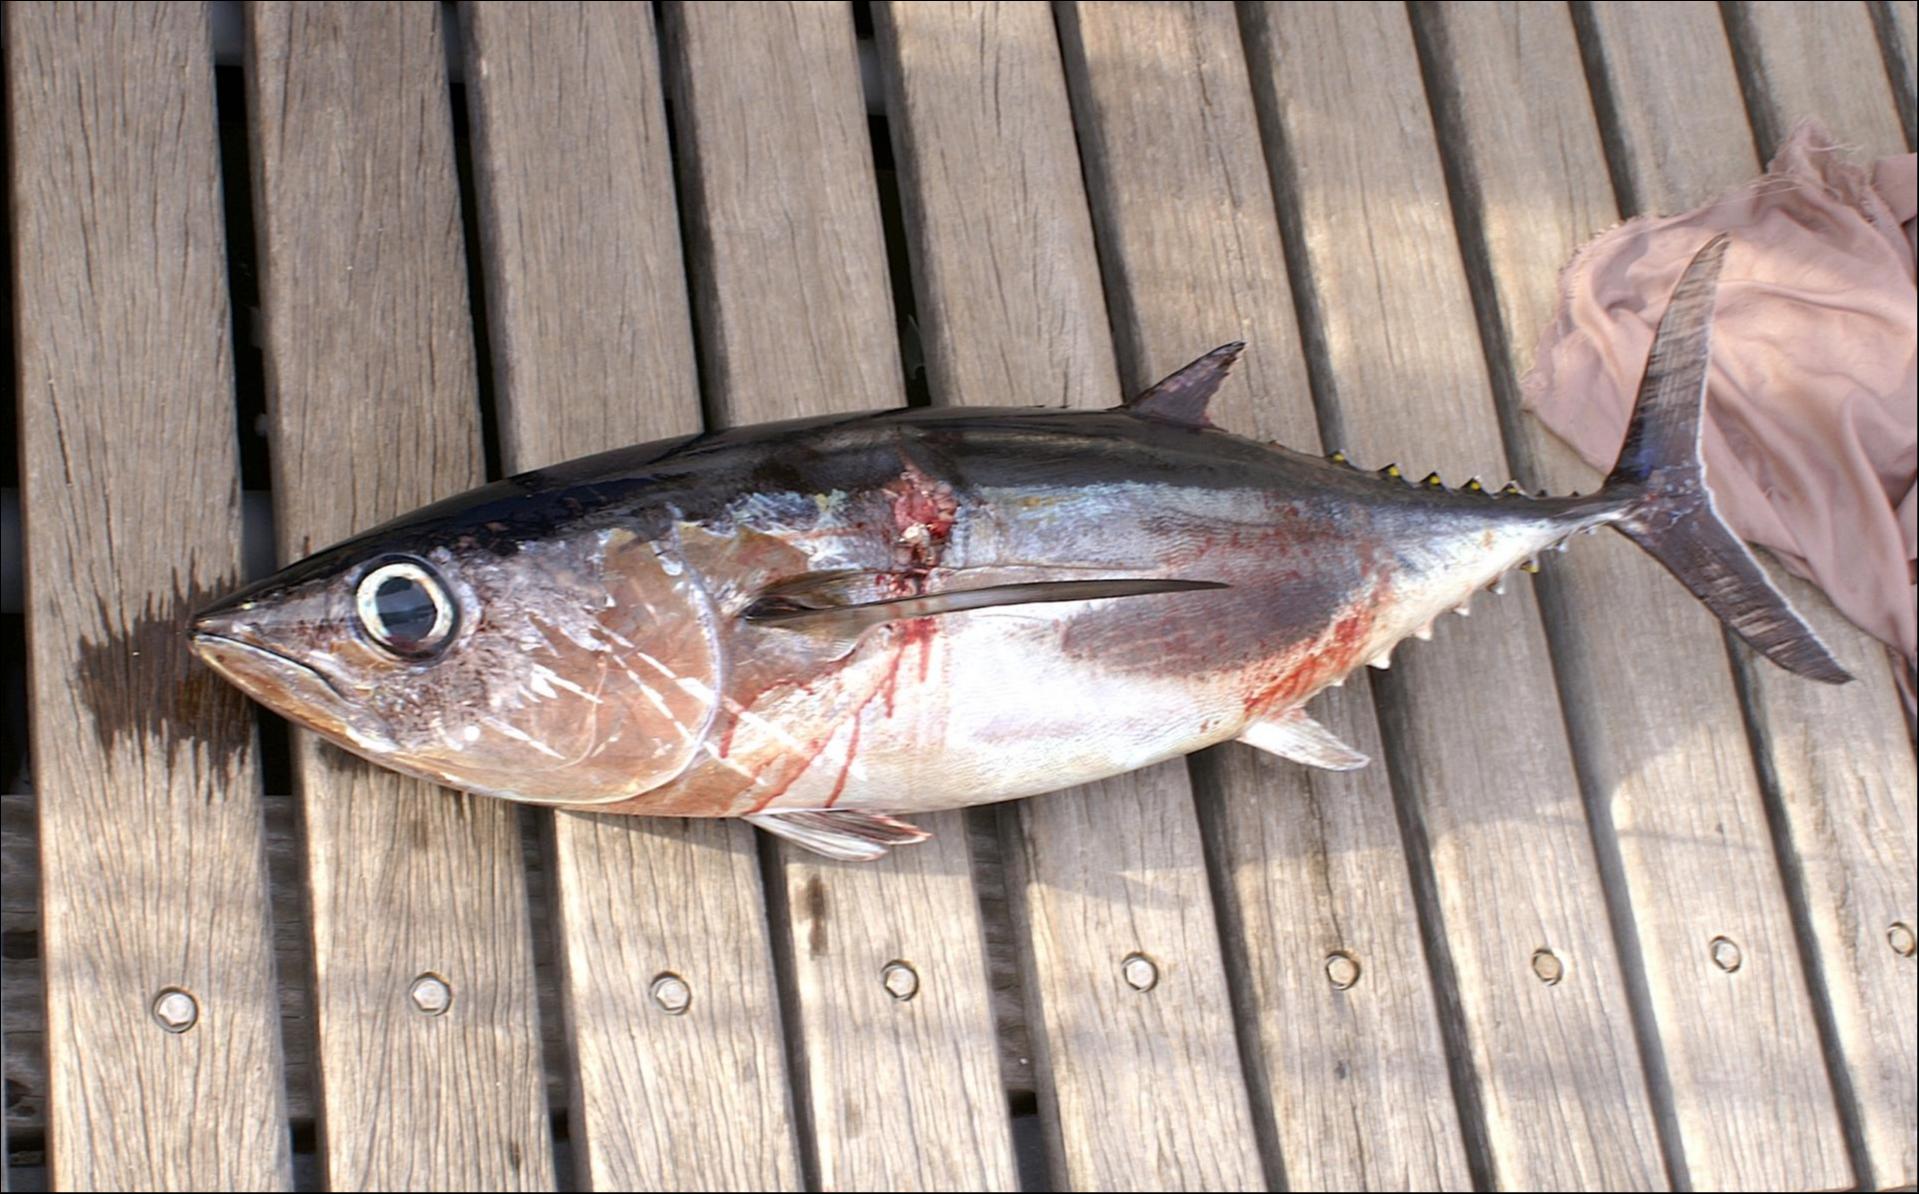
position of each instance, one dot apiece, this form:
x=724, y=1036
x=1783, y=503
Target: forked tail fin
x=1670, y=512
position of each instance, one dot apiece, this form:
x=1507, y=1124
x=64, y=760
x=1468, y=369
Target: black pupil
x=406, y=611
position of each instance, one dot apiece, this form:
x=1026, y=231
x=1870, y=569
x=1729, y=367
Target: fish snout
x=230, y=621
x=210, y=623
x=236, y=642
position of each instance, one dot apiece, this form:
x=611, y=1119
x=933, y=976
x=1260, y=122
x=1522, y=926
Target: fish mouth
x=281, y=683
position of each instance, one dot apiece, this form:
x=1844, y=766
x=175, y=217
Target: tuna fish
x=829, y=625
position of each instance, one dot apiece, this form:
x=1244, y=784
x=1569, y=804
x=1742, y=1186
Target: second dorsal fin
x=1181, y=396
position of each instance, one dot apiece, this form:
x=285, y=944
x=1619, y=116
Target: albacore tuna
x=825, y=625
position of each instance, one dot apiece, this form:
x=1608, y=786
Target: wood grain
x=1352, y=1083
x=25, y=1012
x=1849, y=801
x=1839, y=758
x=593, y=349
x=992, y=197
x=153, y=872
x=1649, y=694
x=789, y=272
x=374, y=411
x=1472, y=723
x=1817, y=61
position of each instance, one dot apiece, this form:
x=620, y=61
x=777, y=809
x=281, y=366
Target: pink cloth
x=1812, y=416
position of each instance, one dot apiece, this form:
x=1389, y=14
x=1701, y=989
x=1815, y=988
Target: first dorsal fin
x=1181, y=397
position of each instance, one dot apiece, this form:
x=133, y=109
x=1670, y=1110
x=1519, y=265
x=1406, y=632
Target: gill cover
x=617, y=685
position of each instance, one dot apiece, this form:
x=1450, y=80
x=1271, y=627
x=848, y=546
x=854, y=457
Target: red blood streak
x=918, y=631
x=846, y=768
x=1337, y=657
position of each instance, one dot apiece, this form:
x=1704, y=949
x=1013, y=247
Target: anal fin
x=1295, y=736
x=846, y=834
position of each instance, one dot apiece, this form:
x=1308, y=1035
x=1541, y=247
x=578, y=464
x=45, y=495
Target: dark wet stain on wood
x=140, y=682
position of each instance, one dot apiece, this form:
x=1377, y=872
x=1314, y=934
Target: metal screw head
x=1899, y=936
x=1140, y=972
x=1726, y=955
x=431, y=994
x=901, y=981
x=672, y=994
x=1342, y=969
x=1547, y=965
x=176, y=1010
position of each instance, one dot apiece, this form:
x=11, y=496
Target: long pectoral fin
x=824, y=607
x=1295, y=736
x=845, y=834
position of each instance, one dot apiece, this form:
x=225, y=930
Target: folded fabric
x=1812, y=415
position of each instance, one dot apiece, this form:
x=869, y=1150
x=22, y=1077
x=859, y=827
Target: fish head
x=574, y=669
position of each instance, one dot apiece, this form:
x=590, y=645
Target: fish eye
x=404, y=607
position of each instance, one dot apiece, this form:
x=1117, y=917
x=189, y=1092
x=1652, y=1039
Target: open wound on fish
x=1293, y=735
x=821, y=605
x=1181, y=397
x=845, y=834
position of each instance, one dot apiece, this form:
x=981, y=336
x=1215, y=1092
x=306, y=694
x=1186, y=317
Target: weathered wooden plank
x=1472, y=721
x=1840, y=759
x=789, y=271
x=20, y=985
x=1002, y=250
x=1847, y=790
x=23, y=1006
x=1799, y=60
x=1815, y=60
x=593, y=349
x=992, y=197
x=1351, y=1078
x=374, y=410
x=1650, y=697
x=154, y=874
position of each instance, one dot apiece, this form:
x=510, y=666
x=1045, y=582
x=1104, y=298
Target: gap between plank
x=282, y=816
x=786, y=982
x=1851, y=1119
x=686, y=168
x=536, y=832
x=1592, y=53
x=1209, y=795
x=1761, y=114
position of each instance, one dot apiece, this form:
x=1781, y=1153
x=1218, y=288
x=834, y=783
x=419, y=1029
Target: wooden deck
x=1617, y=910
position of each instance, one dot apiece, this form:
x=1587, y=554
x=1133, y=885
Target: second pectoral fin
x=1293, y=735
